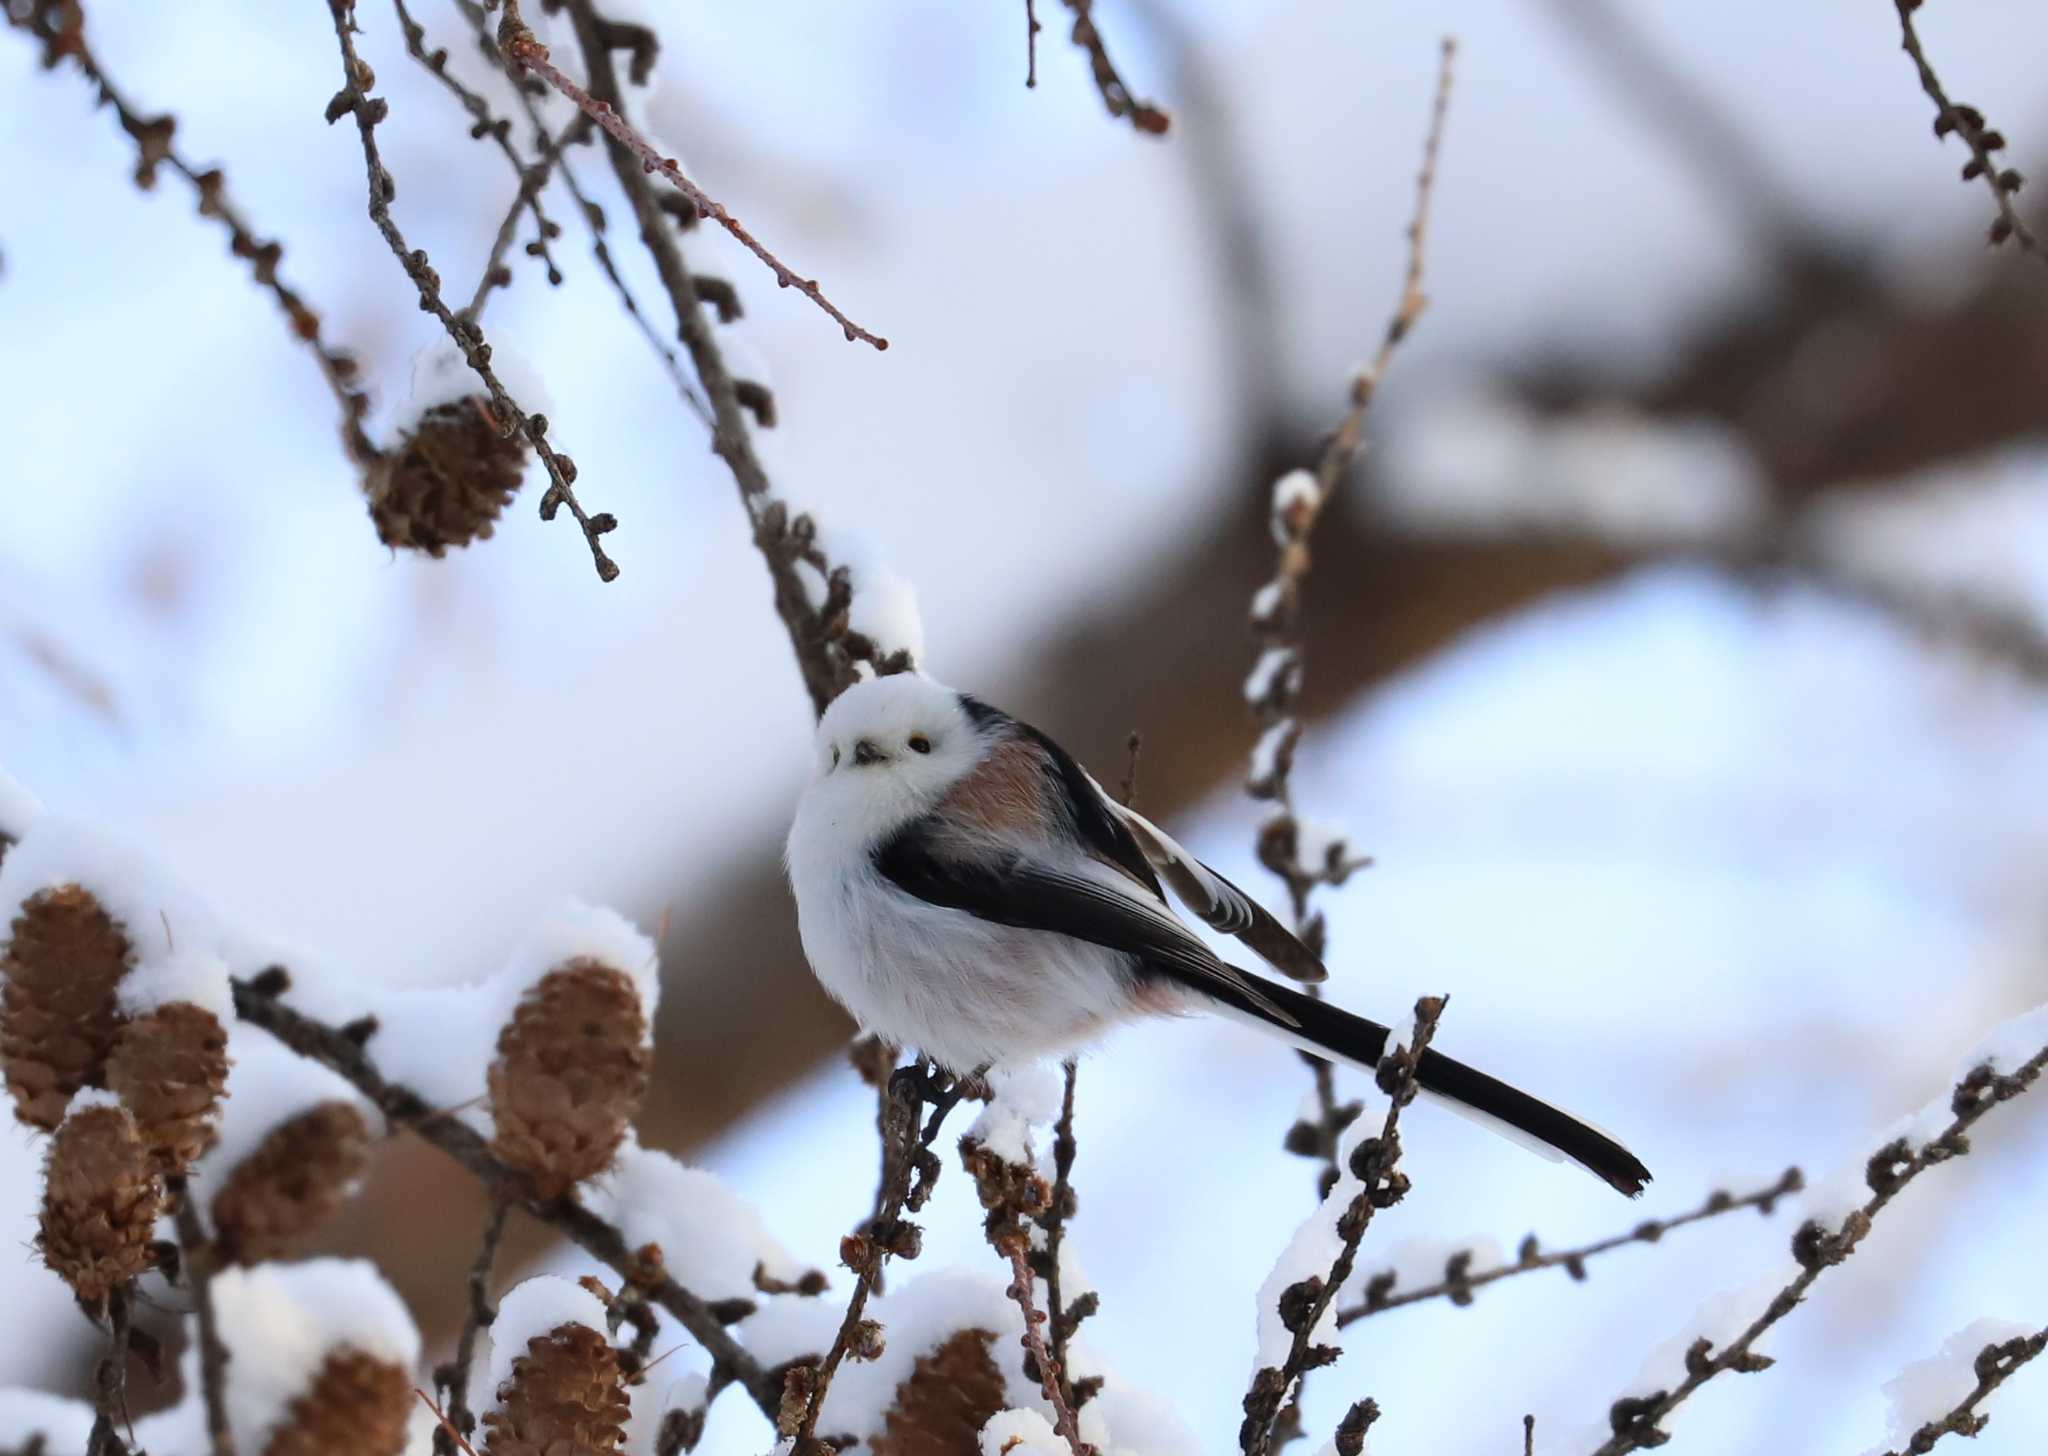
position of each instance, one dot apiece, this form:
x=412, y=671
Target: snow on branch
x=1725, y=1334
x=1939, y=1396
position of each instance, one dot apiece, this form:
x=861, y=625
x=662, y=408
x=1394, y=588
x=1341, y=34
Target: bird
x=965, y=887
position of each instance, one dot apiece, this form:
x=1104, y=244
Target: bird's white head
x=890, y=748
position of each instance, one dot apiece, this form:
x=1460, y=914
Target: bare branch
x=520, y=44
x=1274, y=689
x=458, y=1421
x=354, y=99
x=1457, y=1284
x=1637, y=1420
x=195, y=1267
x=60, y=25
x=1995, y=1364
x=1381, y=1185
x=1968, y=123
x=1116, y=96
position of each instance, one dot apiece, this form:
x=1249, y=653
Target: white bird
x=963, y=886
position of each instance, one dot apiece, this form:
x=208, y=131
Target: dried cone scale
x=951, y=1393
x=563, y=1398
x=63, y=959
x=447, y=481
x=356, y=1405
x=571, y=1069
x=101, y=1199
x=170, y=1067
x=295, y=1180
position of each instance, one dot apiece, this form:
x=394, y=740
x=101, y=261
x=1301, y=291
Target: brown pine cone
x=447, y=481
x=101, y=1199
x=294, y=1181
x=170, y=1068
x=563, y=1398
x=357, y=1405
x=64, y=959
x=572, y=1067
x=952, y=1392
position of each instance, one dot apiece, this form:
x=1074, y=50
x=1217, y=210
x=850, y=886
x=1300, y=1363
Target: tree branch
x=520, y=44
x=1636, y=1420
x=354, y=99
x=257, y=1002
x=1968, y=123
x=1457, y=1285
x=60, y=25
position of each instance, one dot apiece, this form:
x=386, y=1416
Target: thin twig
x=61, y=27
x=1994, y=1365
x=257, y=1001
x=533, y=176
x=1381, y=1184
x=1031, y=29
x=110, y=1379
x=354, y=99
x=1116, y=96
x=1274, y=689
x=522, y=46
x=555, y=151
x=908, y=1169
x=1052, y=1373
x=196, y=1264
x=459, y=1422
x=1968, y=123
x=1457, y=1284
x=1636, y=1420
x=826, y=650
x=1059, y=1208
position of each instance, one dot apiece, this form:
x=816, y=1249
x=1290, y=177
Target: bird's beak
x=865, y=752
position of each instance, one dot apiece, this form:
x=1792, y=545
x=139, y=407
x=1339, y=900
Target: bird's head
x=896, y=743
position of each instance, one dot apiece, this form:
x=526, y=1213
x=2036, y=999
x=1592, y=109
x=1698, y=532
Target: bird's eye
x=835, y=755
x=920, y=744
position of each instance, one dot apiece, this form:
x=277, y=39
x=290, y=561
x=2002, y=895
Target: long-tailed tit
x=963, y=886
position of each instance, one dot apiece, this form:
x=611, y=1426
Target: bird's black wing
x=1033, y=892
x=1146, y=852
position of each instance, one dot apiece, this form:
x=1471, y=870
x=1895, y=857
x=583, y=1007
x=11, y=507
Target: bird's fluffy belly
x=965, y=991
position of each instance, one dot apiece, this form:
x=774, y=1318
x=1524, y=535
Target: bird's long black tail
x=1328, y=1031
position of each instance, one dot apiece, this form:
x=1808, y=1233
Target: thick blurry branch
x=257, y=1003
x=1712, y=142
x=1637, y=1420
x=1459, y=1282
x=1967, y=122
x=60, y=26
